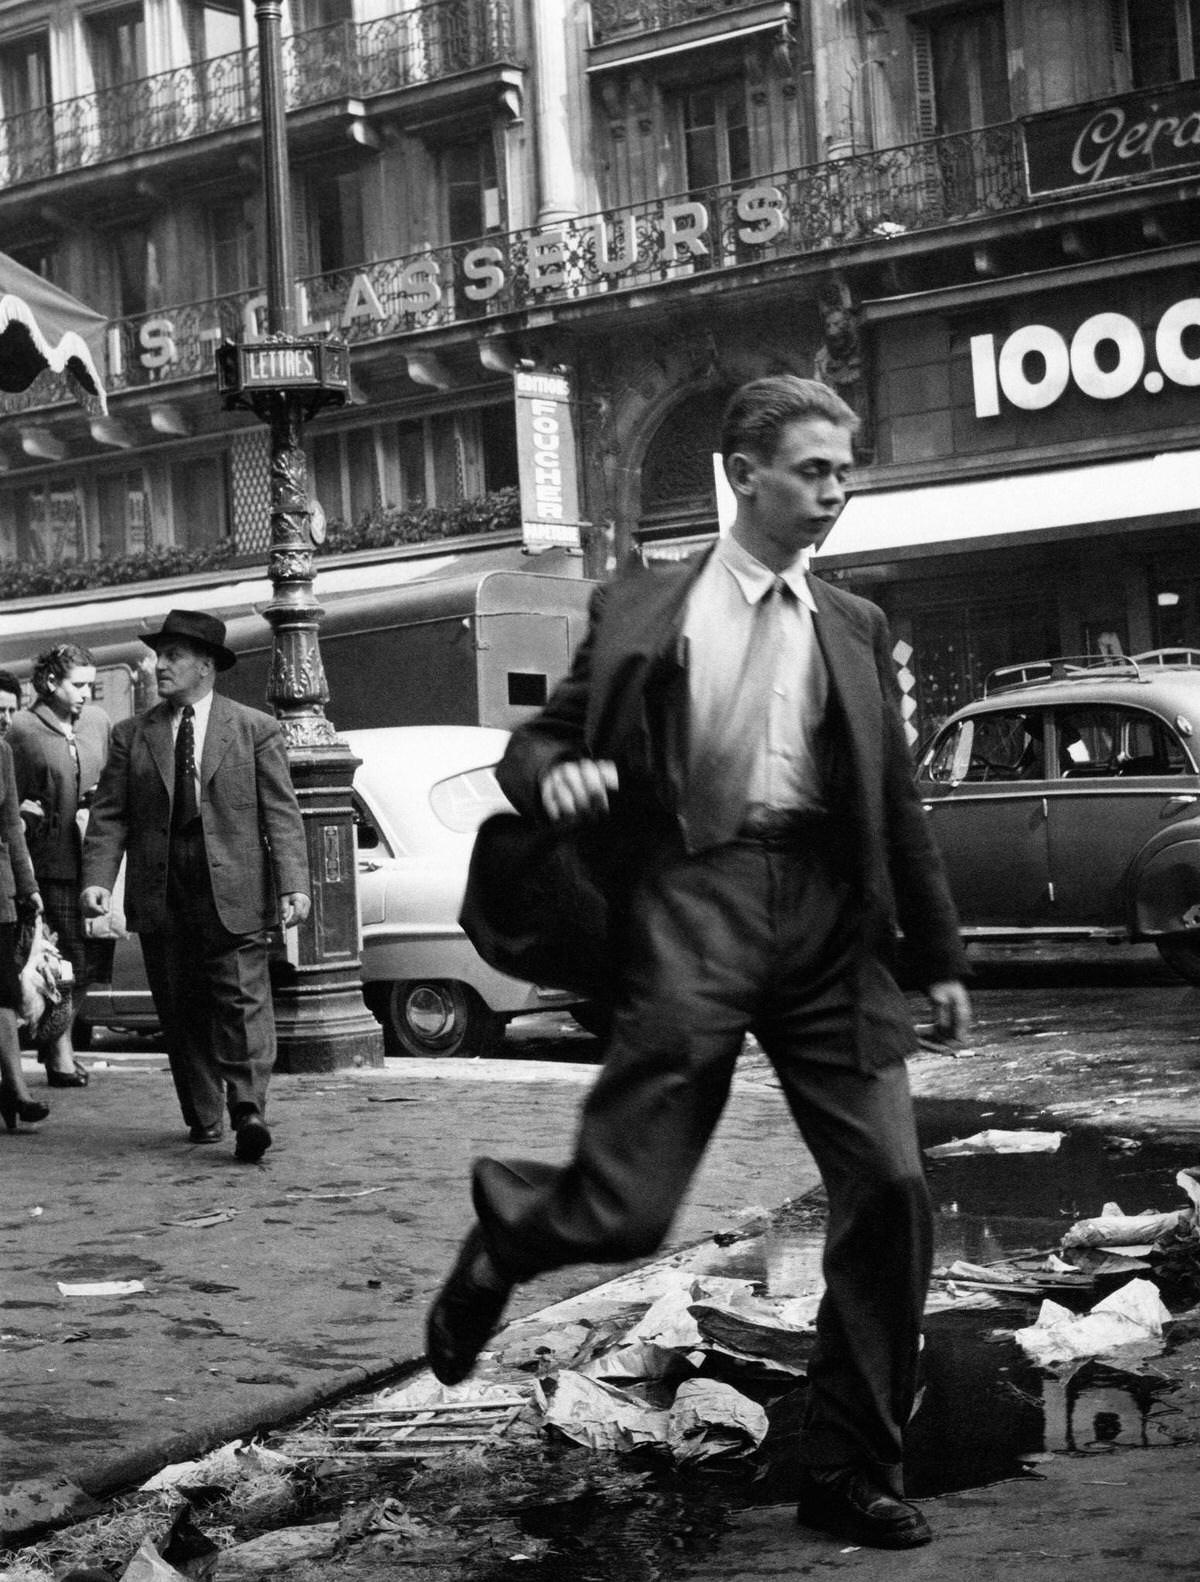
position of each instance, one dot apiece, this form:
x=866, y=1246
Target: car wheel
x=1182, y=956
x=432, y=1016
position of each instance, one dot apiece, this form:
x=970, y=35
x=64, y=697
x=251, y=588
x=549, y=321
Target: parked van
x=481, y=640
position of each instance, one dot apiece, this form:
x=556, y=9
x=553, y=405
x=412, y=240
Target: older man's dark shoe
x=205, y=1134
x=465, y=1312
x=844, y=1502
x=253, y=1139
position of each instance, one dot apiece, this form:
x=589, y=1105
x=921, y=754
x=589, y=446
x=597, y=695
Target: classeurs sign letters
x=1033, y=366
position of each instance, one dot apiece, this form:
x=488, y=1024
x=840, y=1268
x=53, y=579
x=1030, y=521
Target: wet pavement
x=274, y=1289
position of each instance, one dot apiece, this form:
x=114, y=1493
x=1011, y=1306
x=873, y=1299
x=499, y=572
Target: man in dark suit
x=197, y=796
x=729, y=751
x=59, y=746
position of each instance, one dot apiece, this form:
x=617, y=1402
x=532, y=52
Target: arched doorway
x=678, y=501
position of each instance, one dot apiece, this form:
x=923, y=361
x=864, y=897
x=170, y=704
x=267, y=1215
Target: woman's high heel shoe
x=27, y=1111
x=67, y=1079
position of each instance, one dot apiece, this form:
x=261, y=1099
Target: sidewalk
x=270, y=1289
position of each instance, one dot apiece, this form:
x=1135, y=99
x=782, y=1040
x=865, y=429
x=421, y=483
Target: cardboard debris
x=148, y=1565
x=995, y=1141
x=1132, y=1315
x=715, y=1313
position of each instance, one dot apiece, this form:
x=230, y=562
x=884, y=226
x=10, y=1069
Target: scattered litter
x=220, y=1469
x=995, y=1141
x=709, y=1418
x=1122, y=1145
x=1132, y=1315
x=1135, y=1232
x=100, y=1287
x=598, y=1415
x=333, y=1197
x=276, y=1553
x=148, y=1565
x=424, y=1422
x=1012, y=1279
x=203, y=1221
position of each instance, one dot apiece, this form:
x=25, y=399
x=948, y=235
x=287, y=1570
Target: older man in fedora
x=197, y=796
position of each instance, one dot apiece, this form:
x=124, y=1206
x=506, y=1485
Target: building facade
x=978, y=221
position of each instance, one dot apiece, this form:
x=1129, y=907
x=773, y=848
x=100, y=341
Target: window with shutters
x=472, y=188
x=231, y=248
x=1160, y=40
x=116, y=42
x=219, y=44
x=962, y=71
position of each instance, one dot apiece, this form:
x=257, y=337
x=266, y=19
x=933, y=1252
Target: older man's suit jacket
x=253, y=832
x=626, y=699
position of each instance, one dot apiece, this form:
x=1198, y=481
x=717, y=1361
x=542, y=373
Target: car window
x=367, y=834
x=1100, y=741
x=463, y=801
x=1008, y=745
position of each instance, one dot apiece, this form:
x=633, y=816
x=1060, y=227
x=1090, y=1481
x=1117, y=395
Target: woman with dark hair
x=59, y=746
x=18, y=896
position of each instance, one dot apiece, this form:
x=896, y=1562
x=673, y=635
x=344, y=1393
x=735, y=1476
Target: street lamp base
x=321, y=1020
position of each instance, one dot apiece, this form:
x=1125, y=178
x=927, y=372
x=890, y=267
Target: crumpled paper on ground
x=716, y=1313
x=995, y=1141
x=148, y=1565
x=707, y=1417
x=221, y=1468
x=1137, y=1232
x=1131, y=1315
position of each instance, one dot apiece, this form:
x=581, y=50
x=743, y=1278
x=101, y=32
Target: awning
x=939, y=518
x=44, y=330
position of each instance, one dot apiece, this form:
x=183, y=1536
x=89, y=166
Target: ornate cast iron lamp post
x=283, y=379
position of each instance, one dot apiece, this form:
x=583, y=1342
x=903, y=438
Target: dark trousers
x=212, y=993
x=750, y=937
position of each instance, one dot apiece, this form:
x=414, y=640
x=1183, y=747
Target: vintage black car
x=1066, y=803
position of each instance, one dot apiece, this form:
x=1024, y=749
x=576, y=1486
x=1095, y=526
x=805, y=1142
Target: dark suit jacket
x=625, y=699
x=253, y=832
x=16, y=870
x=45, y=771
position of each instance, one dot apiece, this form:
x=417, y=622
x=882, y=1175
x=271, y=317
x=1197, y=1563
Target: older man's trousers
x=765, y=938
x=212, y=992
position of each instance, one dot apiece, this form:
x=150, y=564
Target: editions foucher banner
x=547, y=469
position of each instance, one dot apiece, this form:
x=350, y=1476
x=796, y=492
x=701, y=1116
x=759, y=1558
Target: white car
x=419, y=796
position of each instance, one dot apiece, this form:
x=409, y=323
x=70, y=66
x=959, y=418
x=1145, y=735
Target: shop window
x=48, y=521
x=498, y=437
x=200, y=500
x=26, y=127
x=408, y=462
x=123, y=507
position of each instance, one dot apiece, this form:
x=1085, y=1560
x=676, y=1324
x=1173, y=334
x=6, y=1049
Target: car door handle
x=366, y=865
x=1181, y=801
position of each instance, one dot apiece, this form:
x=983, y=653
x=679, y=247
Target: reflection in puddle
x=987, y=1413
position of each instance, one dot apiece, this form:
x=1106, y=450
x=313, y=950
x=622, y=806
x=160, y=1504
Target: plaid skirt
x=60, y=897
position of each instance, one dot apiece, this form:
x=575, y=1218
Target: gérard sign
x=1105, y=358
x=1133, y=136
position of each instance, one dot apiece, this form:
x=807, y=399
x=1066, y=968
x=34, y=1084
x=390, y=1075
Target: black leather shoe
x=845, y=1502
x=463, y=1316
x=253, y=1140
x=205, y=1134
x=67, y=1079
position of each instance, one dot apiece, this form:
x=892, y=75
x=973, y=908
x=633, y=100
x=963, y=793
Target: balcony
x=353, y=60
x=620, y=18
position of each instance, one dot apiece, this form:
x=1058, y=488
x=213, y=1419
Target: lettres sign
x=1105, y=358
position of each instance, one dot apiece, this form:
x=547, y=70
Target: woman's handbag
x=47, y=984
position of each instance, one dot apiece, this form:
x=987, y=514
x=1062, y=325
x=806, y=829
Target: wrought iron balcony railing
x=348, y=60
x=622, y=18
x=866, y=199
